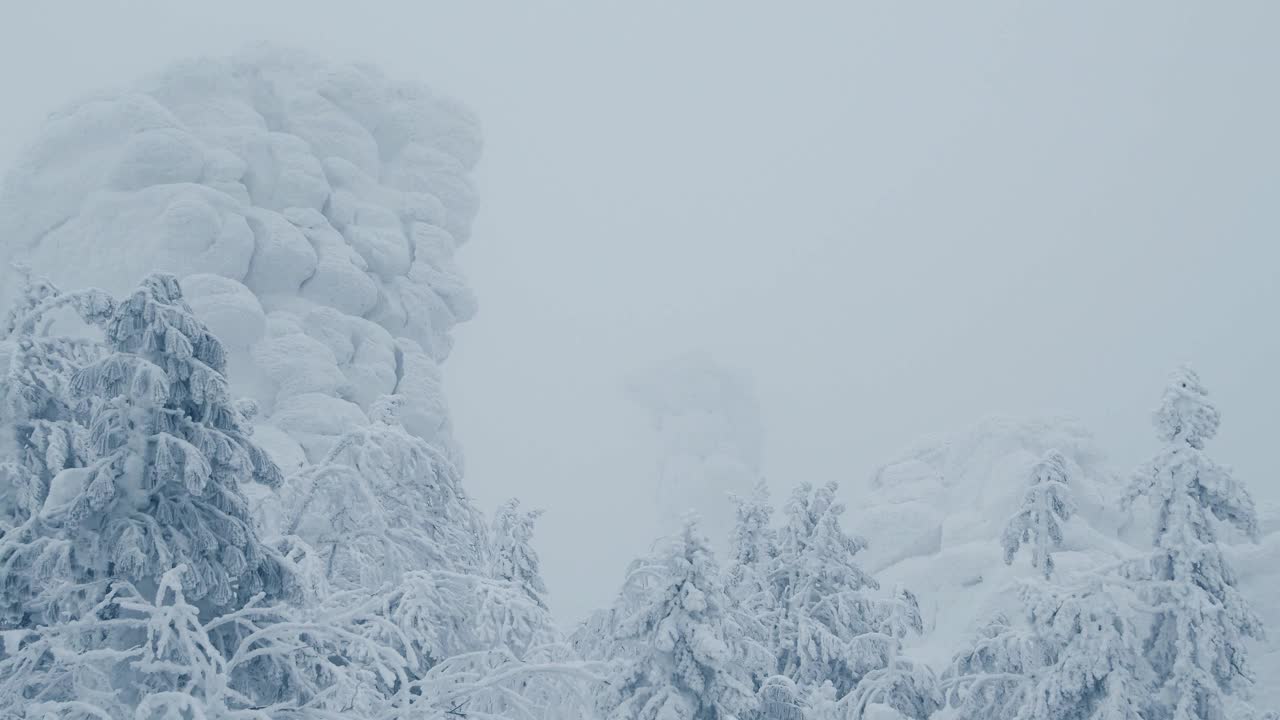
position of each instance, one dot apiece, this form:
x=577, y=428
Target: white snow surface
x=311, y=210
x=933, y=519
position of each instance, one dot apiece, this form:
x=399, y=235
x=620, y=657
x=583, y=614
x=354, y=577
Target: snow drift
x=311, y=211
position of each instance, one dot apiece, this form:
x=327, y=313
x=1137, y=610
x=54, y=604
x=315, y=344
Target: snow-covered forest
x=231, y=485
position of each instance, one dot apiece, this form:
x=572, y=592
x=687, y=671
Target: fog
x=897, y=219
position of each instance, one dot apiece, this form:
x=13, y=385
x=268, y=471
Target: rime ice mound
x=311, y=210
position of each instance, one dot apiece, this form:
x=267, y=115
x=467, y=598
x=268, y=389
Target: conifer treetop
x=1185, y=414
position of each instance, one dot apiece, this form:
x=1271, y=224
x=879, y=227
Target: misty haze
x=604, y=361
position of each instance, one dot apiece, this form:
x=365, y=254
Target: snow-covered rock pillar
x=709, y=436
x=312, y=212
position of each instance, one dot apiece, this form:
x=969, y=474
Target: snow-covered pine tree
x=180, y=672
x=32, y=292
x=148, y=658
x=992, y=678
x=908, y=688
x=512, y=557
x=901, y=689
x=753, y=547
x=600, y=635
x=169, y=451
x=827, y=626
x=36, y=409
x=383, y=503
x=409, y=555
x=1092, y=631
x=824, y=703
x=1197, y=641
x=42, y=438
x=172, y=449
x=56, y=671
x=1046, y=506
x=594, y=638
x=1075, y=653
x=430, y=617
x=494, y=684
x=778, y=698
x=684, y=667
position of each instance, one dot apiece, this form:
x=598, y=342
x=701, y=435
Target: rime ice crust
x=311, y=209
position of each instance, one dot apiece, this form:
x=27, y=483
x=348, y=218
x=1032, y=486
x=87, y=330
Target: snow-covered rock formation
x=709, y=438
x=951, y=490
x=934, y=517
x=311, y=211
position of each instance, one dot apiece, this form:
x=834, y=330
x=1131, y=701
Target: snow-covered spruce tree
x=908, y=688
x=1046, y=506
x=46, y=672
x=753, y=547
x=1197, y=641
x=385, y=517
x=600, y=636
x=1075, y=653
x=385, y=520
x=685, y=667
x=778, y=698
x=180, y=672
x=512, y=557
x=992, y=677
x=382, y=503
x=167, y=450
x=156, y=659
x=753, y=551
x=826, y=625
x=429, y=617
x=39, y=436
x=1092, y=632
x=463, y=637
x=171, y=449
x=824, y=703
x=494, y=685
x=320, y=668
x=594, y=638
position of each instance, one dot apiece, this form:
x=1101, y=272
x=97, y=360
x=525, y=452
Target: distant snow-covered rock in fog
x=312, y=212
x=709, y=438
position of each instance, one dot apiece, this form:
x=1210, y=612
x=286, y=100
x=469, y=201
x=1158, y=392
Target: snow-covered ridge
x=311, y=210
